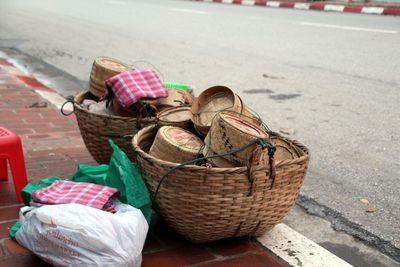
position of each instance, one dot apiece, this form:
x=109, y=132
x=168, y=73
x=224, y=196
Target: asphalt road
x=331, y=77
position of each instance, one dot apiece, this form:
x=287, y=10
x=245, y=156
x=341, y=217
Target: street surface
x=332, y=78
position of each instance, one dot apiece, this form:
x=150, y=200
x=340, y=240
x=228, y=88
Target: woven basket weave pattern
x=205, y=204
x=96, y=129
x=163, y=118
x=164, y=149
x=225, y=137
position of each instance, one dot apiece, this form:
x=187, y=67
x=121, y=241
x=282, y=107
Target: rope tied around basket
x=263, y=143
x=182, y=103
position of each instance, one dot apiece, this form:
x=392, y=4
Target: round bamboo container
x=218, y=162
x=230, y=131
x=104, y=68
x=209, y=103
x=175, y=116
x=175, y=144
x=284, y=149
x=175, y=98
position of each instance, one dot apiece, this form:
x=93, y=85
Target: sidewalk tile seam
x=10, y=220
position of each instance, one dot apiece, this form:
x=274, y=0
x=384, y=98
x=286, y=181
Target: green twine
x=262, y=142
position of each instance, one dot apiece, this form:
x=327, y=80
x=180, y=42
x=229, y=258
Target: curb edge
x=349, y=8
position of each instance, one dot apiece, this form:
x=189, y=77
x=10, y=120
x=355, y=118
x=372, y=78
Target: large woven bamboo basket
x=206, y=203
x=96, y=129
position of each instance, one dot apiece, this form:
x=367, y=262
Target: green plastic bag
x=14, y=229
x=91, y=174
x=121, y=174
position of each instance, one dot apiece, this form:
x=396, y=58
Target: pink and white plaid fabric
x=132, y=85
x=63, y=192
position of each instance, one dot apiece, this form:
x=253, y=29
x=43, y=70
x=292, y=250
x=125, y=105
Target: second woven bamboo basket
x=206, y=203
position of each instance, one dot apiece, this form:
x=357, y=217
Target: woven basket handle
x=141, y=118
x=70, y=99
x=261, y=157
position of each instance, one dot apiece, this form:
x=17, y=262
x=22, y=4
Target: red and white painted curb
x=22, y=74
x=313, y=6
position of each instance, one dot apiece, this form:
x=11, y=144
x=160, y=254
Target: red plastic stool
x=11, y=149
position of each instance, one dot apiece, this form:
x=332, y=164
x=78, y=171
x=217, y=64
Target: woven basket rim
x=143, y=154
x=238, y=115
x=81, y=109
x=110, y=59
x=205, y=98
x=166, y=111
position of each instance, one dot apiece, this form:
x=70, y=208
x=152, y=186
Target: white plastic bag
x=77, y=235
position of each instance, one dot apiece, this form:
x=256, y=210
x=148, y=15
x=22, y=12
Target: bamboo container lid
x=175, y=144
x=175, y=116
x=175, y=98
x=230, y=131
x=104, y=68
x=209, y=103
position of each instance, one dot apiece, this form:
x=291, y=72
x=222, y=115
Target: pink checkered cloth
x=132, y=85
x=63, y=192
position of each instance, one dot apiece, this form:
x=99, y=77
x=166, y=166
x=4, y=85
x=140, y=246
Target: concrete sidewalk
x=332, y=6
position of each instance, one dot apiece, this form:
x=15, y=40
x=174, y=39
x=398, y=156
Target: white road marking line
x=248, y=2
x=302, y=6
x=115, y=2
x=273, y=3
x=209, y=1
x=227, y=1
x=372, y=10
x=348, y=28
x=187, y=11
x=256, y=18
x=338, y=8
